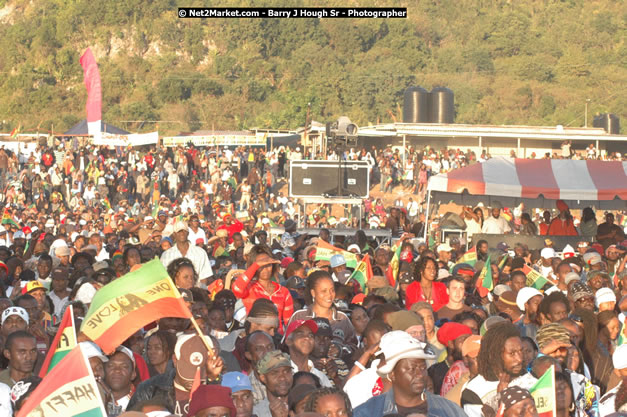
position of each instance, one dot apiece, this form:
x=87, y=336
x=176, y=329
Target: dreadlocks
x=314, y=398
x=491, y=352
x=544, y=308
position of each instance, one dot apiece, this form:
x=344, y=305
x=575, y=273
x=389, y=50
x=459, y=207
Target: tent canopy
x=80, y=129
x=535, y=182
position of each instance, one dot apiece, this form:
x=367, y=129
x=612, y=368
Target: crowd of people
x=292, y=333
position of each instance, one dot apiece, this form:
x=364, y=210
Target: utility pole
x=586, y=116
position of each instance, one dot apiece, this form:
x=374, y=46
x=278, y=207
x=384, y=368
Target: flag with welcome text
x=69, y=390
x=129, y=303
x=363, y=272
x=324, y=252
x=63, y=342
x=543, y=393
x=484, y=282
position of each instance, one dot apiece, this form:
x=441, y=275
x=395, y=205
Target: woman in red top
x=426, y=289
x=257, y=282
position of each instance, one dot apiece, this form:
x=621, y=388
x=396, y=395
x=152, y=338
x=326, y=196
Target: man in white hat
x=406, y=368
x=444, y=254
x=183, y=248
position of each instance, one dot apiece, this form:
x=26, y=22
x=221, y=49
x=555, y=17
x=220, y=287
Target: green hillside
x=509, y=62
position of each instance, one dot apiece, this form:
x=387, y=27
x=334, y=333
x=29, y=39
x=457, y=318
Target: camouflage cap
x=272, y=360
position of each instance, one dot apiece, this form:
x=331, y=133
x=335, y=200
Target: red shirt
x=249, y=291
x=439, y=296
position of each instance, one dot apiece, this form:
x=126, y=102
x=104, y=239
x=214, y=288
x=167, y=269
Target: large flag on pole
x=363, y=272
x=484, y=282
x=91, y=77
x=543, y=393
x=69, y=390
x=324, y=252
x=63, y=343
x=535, y=279
x=129, y=303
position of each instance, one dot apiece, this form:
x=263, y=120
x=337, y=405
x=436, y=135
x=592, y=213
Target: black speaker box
x=321, y=179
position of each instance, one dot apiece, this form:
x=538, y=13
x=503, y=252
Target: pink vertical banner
x=94, y=93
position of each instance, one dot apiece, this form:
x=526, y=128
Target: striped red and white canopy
x=581, y=182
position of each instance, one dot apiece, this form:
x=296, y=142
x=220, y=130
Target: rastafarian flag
x=63, y=343
x=69, y=390
x=129, y=303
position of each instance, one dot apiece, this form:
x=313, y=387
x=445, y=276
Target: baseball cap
x=471, y=346
x=324, y=326
x=127, y=352
x=273, y=360
x=547, y=253
x=592, y=258
x=237, y=381
x=180, y=226
x=295, y=324
x=32, y=286
x=444, y=247
x=295, y=283
x=14, y=311
x=92, y=350
x=286, y=261
x=337, y=260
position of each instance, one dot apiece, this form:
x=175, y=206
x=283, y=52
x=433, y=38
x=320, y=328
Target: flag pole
x=202, y=336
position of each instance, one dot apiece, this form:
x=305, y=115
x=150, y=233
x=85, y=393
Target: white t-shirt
x=6, y=409
x=194, y=236
x=359, y=388
x=495, y=226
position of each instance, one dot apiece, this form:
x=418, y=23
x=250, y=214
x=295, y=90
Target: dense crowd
x=292, y=332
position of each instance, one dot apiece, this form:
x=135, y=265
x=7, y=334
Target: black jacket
x=159, y=387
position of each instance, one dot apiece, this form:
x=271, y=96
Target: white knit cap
x=524, y=295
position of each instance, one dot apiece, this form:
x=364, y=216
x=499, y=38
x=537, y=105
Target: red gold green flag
x=484, y=282
x=363, y=272
x=69, y=390
x=63, y=343
x=543, y=393
x=129, y=303
x=392, y=271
